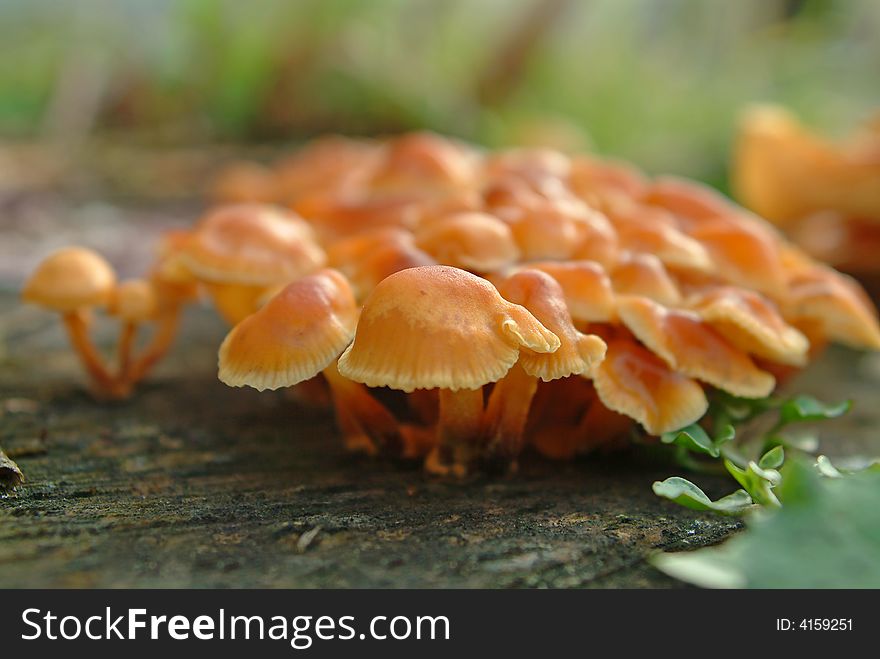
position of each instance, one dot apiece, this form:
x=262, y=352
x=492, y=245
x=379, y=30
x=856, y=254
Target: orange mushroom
x=439, y=327
x=72, y=281
x=298, y=334
x=823, y=301
x=245, y=182
x=586, y=286
x=238, y=251
x=633, y=381
x=692, y=347
x=752, y=323
x=509, y=402
x=134, y=302
x=473, y=241
x=644, y=274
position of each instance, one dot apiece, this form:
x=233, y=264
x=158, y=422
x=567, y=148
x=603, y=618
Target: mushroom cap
x=653, y=230
x=293, y=337
x=134, y=300
x=245, y=182
x=325, y=164
x=751, y=323
x=251, y=244
x=785, y=173
x=586, y=286
x=473, y=241
x=633, y=381
x=835, y=303
x=745, y=254
x=71, y=278
x=424, y=163
x=539, y=293
x=368, y=258
x=692, y=347
x=644, y=274
x=561, y=230
x=438, y=326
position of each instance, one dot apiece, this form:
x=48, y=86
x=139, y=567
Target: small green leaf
x=685, y=493
x=824, y=467
x=807, y=408
x=694, y=438
x=758, y=482
x=772, y=459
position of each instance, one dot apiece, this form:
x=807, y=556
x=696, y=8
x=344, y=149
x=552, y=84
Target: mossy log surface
x=193, y=484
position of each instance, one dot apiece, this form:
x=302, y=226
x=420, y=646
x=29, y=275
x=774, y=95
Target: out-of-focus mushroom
x=633, y=381
x=439, y=327
x=652, y=230
x=72, y=281
x=751, y=323
x=239, y=251
x=831, y=306
x=785, y=173
x=509, y=402
x=561, y=230
x=586, y=286
x=298, y=334
x=245, y=182
x=473, y=241
x=644, y=274
x=693, y=348
x=368, y=258
x=134, y=302
x=744, y=249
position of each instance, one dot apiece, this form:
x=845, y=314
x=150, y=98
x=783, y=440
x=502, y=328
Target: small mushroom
x=473, y=241
x=134, y=302
x=692, y=347
x=823, y=301
x=648, y=229
x=73, y=281
x=298, y=334
x=586, y=286
x=752, y=323
x=245, y=182
x=238, y=251
x=633, y=381
x=644, y=274
x=445, y=328
x=509, y=402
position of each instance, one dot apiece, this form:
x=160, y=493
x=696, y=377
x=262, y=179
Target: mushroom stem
x=234, y=302
x=458, y=430
x=127, y=338
x=507, y=412
x=158, y=346
x=358, y=413
x=77, y=327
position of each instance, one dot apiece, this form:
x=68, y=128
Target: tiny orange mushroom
x=578, y=353
x=298, y=334
x=473, y=241
x=692, y=347
x=439, y=327
x=72, y=281
x=633, y=381
x=238, y=251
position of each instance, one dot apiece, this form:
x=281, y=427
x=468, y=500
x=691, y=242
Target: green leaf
x=685, y=493
x=824, y=467
x=758, y=482
x=807, y=408
x=772, y=459
x=694, y=438
x=826, y=536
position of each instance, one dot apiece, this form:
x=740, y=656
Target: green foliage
x=757, y=474
x=825, y=536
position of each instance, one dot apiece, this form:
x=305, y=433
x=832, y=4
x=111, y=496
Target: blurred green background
x=658, y=82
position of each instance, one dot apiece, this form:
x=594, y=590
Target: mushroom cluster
x=456, y=305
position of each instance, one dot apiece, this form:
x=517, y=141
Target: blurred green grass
x=656, y=82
